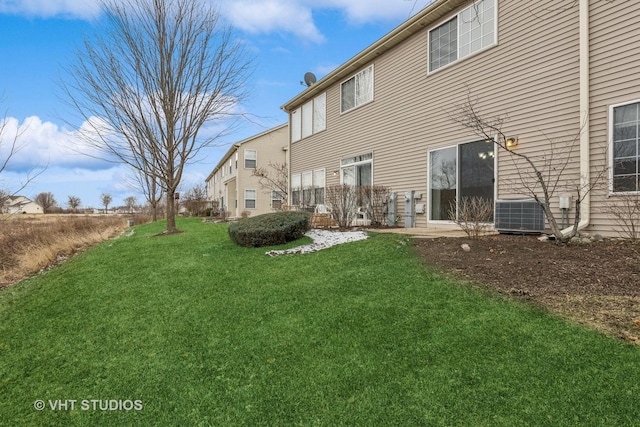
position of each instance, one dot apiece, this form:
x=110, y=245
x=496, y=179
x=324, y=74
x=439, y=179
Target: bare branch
x=157, y=78
x=541, y=175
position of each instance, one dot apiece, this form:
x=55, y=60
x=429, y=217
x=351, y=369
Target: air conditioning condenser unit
x=519, y=216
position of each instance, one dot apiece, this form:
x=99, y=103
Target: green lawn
x=202, y=332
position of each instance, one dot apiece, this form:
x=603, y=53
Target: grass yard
x=196, y=331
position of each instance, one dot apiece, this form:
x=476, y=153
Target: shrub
x=474, y=216
x=270, y=229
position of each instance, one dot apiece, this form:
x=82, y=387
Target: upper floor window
x=471, y=30
x=357, y=90
x=310, y=118
x=625, y=140
x=250, y=159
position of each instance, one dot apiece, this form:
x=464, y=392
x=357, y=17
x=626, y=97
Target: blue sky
x=38, y=39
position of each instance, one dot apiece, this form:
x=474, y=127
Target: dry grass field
x=31, y=243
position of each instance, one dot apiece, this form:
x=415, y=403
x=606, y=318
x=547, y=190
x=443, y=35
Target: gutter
x=422, y=20
x=585, y=158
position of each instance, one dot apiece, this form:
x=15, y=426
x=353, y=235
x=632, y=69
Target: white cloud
x=254, y=16
x=297, y=17
x=46, y=144
x=260, y=16
x=364, y=11
x=84, y=9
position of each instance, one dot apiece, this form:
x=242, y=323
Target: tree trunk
x=171, y=212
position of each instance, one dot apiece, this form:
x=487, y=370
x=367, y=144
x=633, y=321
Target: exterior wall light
x=511, y=141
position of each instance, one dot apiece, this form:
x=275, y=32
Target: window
x=625, y=137
x=296, y=125
x=471, y=30
x=318, y=186
x=307, y=188
x=320, y=113
x=250, y=159
x=463, y=171
x=357, y=90
x=309, y=119
x=296, y=185
x=276, y=200
x=249, y=199
x=357, y=170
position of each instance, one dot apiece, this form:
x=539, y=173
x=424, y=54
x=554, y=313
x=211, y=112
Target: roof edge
x=421, y=20
x=234, y=147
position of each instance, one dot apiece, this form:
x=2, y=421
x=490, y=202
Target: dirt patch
x=596, y=284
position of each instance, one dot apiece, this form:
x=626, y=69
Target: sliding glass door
x=455, y=173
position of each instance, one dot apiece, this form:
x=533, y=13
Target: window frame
x=309, y=118
x=353, y=162
x=355, y=78
x=460, y=21
x=277, y=197
x=255, y=198
x=255, y=159
x=306, y=189
x=611, y=148
x=493, y=153
x=296, y=189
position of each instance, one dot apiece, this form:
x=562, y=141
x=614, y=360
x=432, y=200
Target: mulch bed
x=596, y=284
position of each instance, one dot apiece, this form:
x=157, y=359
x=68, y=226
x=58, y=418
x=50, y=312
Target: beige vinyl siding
x=615, y=79
x=269, y=148
x=531, y=76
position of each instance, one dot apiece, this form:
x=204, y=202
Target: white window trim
x=297, y=119
x=471, y=55
x=610, y=150
x=360, y=162
x=244, y=160
x=279, y=198
x=255, y=199
x=373, y=91
x=314, y=185
x=496, y=153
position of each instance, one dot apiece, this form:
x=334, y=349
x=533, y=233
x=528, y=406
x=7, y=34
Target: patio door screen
x=467, y=170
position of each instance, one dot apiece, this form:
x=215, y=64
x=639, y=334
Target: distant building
x=233, y=187
x=21, y=205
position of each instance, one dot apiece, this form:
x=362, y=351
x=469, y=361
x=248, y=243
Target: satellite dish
x=309, y=79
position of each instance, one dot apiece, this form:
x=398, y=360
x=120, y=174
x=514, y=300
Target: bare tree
x=342, y=200
x=46, y=200
x=195, y=199
x=10, y=145
x=130, y=203
x=106, y=200
x=160, y=72
x=274, y=178
x=73, y=202
x=540, y=177
x=473, y=215
x=150, y=186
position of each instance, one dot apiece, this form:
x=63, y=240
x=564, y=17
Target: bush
x=270, y=229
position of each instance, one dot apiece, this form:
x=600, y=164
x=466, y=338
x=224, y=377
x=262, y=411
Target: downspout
x=585, y=158
x=288, y=160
